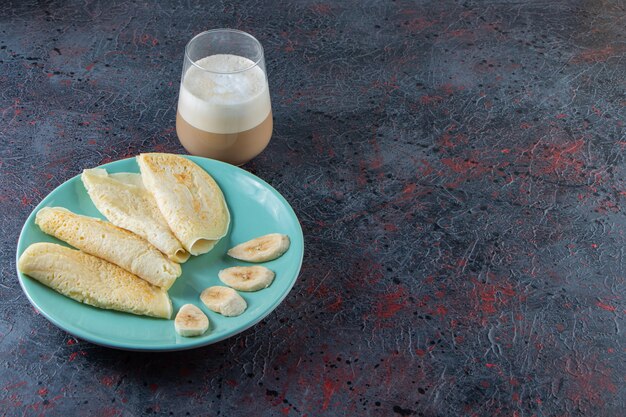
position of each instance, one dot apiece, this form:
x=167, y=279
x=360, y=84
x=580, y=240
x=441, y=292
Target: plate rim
x=165, y=347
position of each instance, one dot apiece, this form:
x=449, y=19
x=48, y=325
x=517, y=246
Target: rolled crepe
x=125, y=202
x=190, y=200
x=91, y=280
x=111, y=243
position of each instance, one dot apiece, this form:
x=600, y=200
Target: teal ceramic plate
x=256, y=209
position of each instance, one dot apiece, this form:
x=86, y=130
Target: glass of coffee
x=224, y=109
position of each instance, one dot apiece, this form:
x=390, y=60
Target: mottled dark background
x=458, y=170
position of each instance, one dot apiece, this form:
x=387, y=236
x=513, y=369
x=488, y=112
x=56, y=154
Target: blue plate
x=256, y=209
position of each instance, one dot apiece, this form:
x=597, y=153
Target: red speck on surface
x=490, y=296
x=362, y=178
x=289, y=47
x=110, y=412
x=459, y=165
x=606, y=307
x=42, y=391
x=26, y=201
x=328, y=390
x=90, y=66
x=470, y=168
x=390, y=227
x=441, y=310
x=428, y=100
x=451, y=141
x=377, y=162
x=321, y=8
x=153, y=387
x=606, y=206
x=15, y=385
x=321, y=223
x=409, y=189
x=557, y=159
x=318, y=143
x=336, y=306
x=597, y=55
x=161, y=147
x=145, y=39
x=461, y=33
x=390, y=304
x=449, y=88
x=107, y=381
x=75, y=354
x=418, y=24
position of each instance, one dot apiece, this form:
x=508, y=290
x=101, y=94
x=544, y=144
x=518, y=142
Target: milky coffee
x=224, y=109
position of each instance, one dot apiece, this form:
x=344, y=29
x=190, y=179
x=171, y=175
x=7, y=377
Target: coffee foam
x=224, y=103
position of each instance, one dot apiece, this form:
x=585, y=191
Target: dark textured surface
x=458, y=171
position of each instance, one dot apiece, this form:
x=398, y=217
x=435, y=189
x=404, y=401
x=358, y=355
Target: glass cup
x=224, y=109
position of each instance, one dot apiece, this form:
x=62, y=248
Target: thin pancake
x=111, y=243
x=124, y=201
x=91, y=280
x=189, y=198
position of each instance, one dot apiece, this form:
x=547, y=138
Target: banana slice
x=262, y=249
x=247, y=278
x=223, y=300
x=190, y=321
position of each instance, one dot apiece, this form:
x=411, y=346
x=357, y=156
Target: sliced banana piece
x=262, y=249
x=247, y=278
x=190, y=321
x=223, y=300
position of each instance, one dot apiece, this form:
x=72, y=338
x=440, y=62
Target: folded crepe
x=190, y=200
x=91, y=280
x=125, y=202
x=111, y=243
